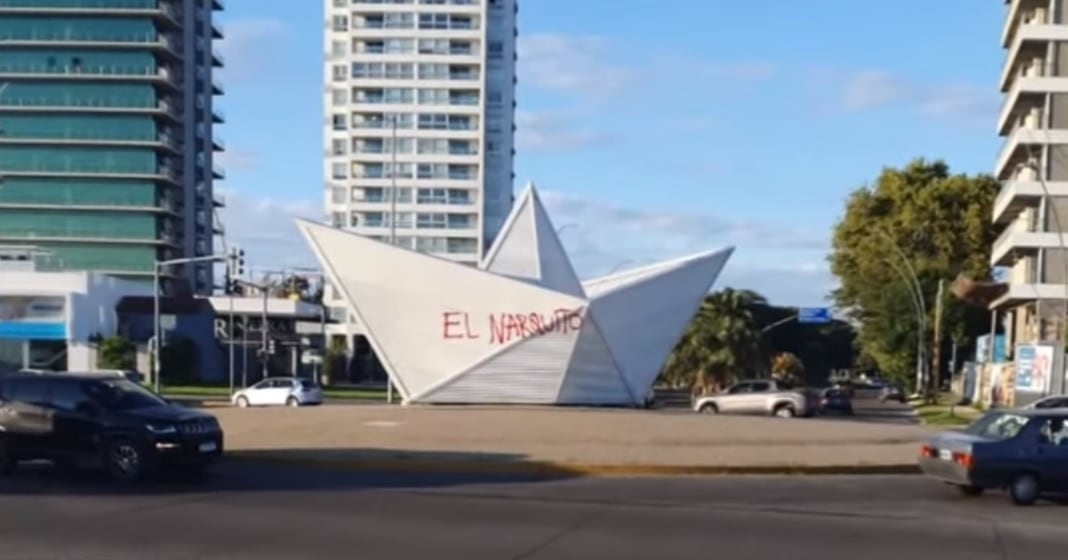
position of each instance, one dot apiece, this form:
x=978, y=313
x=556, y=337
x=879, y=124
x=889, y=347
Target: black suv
x=92, y=420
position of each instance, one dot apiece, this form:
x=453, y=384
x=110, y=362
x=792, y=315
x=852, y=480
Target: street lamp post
x=917, y=289
x=156, y=330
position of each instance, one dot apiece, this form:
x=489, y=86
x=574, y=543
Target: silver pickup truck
x=759, y=396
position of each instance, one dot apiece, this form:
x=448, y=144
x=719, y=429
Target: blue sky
x=656, y=132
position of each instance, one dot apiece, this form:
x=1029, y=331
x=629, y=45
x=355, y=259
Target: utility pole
x=936, y=377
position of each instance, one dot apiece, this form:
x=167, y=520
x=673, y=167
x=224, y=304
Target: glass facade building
x=106, y=144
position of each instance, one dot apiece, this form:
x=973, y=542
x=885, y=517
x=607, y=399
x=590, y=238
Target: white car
x=279, y=391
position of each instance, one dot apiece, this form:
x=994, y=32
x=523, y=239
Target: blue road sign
x=813, y=315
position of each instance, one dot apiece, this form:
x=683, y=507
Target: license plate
x=945, y=454
x=208, y=447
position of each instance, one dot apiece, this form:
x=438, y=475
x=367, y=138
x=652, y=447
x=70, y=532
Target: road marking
x=382, y=423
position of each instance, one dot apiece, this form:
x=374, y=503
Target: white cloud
x=600, y=236
x=247, y=46
x=554, y=131
x=874, y=89
x=237, y=159
x=573, y=64
x=265, y=229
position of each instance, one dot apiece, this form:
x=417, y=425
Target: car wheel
x=1025, y=489
x=124, y=461
x=969, y=490
x=292, y=401
x=242, y=402
x=708, y=408
x=785, y=411
x=7, y=459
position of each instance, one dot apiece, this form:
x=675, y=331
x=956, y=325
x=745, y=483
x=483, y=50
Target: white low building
x=48, y=319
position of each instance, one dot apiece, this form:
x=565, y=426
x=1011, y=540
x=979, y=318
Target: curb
x=563, y=469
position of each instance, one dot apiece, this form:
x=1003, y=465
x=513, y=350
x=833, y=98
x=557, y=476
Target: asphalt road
x=271, y=513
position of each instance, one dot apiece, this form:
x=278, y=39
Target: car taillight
x=927, y=451
x=963, y=459
x=823, y=402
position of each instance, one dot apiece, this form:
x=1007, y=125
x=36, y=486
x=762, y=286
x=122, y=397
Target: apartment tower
x=419, y=123
x=106, y=149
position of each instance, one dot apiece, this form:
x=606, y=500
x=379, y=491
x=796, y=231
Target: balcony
x=1023, y=240
x=159, y=76
x=159, y=10
x=217, y=116
x=1037, y=34
x=1026, y=93
x=31, y=167
x=218, y=172
x=92, y=40
x=1011, y=153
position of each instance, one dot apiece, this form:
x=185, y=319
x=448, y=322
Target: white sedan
x=279, y=391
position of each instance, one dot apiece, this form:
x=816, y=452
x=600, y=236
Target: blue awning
x=32, y=331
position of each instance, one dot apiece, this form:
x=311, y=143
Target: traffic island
x=534, y=441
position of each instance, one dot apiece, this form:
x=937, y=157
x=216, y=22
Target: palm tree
x=722, y=341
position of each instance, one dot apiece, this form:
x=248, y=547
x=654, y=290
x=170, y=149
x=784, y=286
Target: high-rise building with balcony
x=106, y=150
x=420, y=121
x=1032, y=207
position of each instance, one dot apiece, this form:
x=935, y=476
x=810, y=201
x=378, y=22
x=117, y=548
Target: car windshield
x=121, y=394
x=997, y=425
x=308, y=384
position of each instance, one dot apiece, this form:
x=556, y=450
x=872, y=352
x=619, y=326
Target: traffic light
x=237, y=262
x=234, y=286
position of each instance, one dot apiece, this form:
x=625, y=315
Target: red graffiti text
x=507, y=327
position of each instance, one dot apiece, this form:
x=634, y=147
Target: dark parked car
x=101, y=420
x=1022, y=451
x=836, y=401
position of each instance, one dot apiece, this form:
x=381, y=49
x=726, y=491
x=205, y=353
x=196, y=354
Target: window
x=339, y=121
x=338, y=48
x=338, y=146
x=495, y=49
x=340, y=97
x=1053, y=432
x=997, y=425
x=121, y=394
x=340, y=23
x=761, y=387
x=339, y=170
x=430, y=221
x=740, y=389
x=340, y=73
x=338, y=195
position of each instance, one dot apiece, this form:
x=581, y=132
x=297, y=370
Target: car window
x=263, y=384
x=282, y=384
x=68, y=394
x=308, y=384
x=1053, y=431
x=121, y=394
x=30, y=390
x=740, y=388
x=761, y=387
x=997, y=425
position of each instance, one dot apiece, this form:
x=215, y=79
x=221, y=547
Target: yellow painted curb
x=566, y=469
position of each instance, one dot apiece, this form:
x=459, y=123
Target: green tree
x=941, y=221
x=721, y=343
x=333, y=366
x=116, y=352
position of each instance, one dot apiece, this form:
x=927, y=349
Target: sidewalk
x=572, y=440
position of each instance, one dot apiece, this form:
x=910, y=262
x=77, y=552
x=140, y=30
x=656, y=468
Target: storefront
x=48, y=320
x=33, y=331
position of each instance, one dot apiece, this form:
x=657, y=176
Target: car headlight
x=162, y=429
